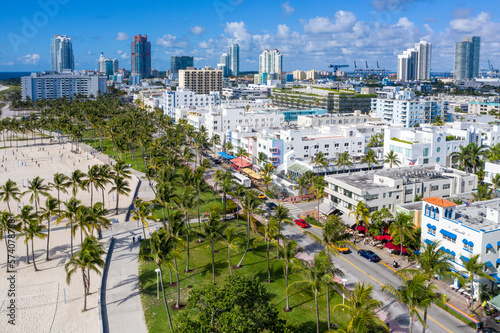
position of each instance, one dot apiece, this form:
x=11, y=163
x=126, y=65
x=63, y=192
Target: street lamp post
x=157, y=284
x=344, y=281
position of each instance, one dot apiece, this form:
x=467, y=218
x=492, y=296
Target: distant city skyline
x=308, y=35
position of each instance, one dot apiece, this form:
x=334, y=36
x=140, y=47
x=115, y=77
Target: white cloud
x=283, y=31
x=119, y=52
x=206, y=44
x=30, y=59
x=471, y=24
x=197, y=30
x=199, y=58
x=343, y=21
x=287, y=9
x=8, y=63
x=169, y=40
x=122, y=36
x=124, y=55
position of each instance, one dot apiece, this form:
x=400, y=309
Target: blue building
x=289, y=77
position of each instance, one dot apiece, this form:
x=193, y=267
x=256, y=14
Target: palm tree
x=392, y=159
x=301, y=184
x=360, y=213
x=9, y=191
x=98, y=220
x=483, y=193
x=76, y=181
x=213, y=229
x=25, y=217
x=241, y=152
x=403, y=227
x=185, y=203
x=232, y=240
x=344, y=161
x=87, y=259
x=121, y=187
x=8, y=227
x=94, y=179
x=313, y=277
x=250, y=203
x=69, y=213
x=473, y=267
x=238, y=192
x=29, y=232
x=475, y=155
x=361, y=310
x=432, y=261
x=495, y=182
x=105, y=177
x=120, y=169
x=36, y=187
x=162, y=245
x=334, y=235
x=319, y=160
x=318, y=188
x=288, y=251
x=200, y=186
x=82, y=219
x=282, y=216
x=267, y=170
x=60, y=183
x=142, y=213
x=261, y=158
x=50, y=209
x=369, y=158
x=462, y=156
x=268, y=232
x=415, y=294
x=438, y=121
x=226, y=184
x=177, y=227
x=331, y=272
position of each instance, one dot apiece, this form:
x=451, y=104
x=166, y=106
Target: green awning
x=298, y=168
x=495, y=302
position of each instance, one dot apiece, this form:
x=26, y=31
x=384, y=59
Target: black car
x=271, y=205
x=489, y=330
x=338, y=212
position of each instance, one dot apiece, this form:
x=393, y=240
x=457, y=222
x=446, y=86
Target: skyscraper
x=107, y=66
x=180, y=62
x=467, y=58
x=141, y=56
x=234, y=60
x=270, y=61
x=224, y=64
x=61, y=54
x=415, y=63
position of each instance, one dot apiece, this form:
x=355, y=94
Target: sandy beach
x=44, y=301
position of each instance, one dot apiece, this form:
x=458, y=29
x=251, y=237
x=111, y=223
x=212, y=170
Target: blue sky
x=309, y=34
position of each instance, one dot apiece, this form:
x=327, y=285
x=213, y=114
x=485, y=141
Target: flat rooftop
x=474, y=215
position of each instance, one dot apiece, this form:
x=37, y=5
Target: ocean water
x=10, y=75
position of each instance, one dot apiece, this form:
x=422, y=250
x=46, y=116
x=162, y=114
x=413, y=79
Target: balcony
x=273, y=159
x=273, y=150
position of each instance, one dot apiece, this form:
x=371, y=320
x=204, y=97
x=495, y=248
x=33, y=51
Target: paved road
x=357, y=268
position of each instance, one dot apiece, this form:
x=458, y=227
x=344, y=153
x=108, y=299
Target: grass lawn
x=11, y=89
x=301, y=319
x=458, y=316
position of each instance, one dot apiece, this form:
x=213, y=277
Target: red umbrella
x=388, y=237
x=381, y=237
x=390, y=246
x=361, y=228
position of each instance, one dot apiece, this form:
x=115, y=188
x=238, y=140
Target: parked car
x=261, y=196
x=370, y=255
x=302, y=223
x=489, y=330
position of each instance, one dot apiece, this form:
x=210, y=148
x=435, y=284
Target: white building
x=464, y=231
x=186, y=98
x=436, y=144
x=335, y=119
x=389, y=187
x=271, y=61
x=312, y=75
x=250, y=93
x=491, y=169
x=415, y=63
x=51, y=86
x=402, y=107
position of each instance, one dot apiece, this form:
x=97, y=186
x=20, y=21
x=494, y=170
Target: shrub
x=231, y=206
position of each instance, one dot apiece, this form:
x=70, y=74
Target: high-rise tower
x=141, y=56
x=61, y=54
x=234, y=60
x=467, y=58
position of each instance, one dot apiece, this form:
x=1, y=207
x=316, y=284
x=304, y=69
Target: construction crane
x=336, y=67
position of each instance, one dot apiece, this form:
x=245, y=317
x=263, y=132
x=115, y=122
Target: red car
x=302, y=223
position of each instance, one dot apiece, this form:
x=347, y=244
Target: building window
x=438, y=159
x=426, y=152
x=466, y=246
x=408, y=192
x=438, y=139
x=435, y=188
x=336, y=145
x=346, y=144
x=306, y=147
x=446, y=186
x=438, y=149
x=327, y=146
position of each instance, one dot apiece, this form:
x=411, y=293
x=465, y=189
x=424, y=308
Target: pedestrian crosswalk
x=294, y=211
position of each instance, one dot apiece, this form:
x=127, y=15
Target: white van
x=238, y=178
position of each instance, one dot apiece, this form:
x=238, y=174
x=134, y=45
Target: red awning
x=361, y=228
x=390, y=246
x=240, y=162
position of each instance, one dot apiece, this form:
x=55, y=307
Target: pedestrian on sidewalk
x=133, y=239
x=468, y=301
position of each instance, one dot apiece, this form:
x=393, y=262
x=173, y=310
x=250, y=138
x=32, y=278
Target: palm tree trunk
x=144, y=233
x=411, y=324
x=248, y=240
x=286, y=287
x=165, y=299
x=91, y=195
x=187, y=245
x=425, y=321
x=328, y=304
x=117, y=200
x=213, y=260
x=268, y=266
x=317, y=313
x=84, y=291
x=199, y=219
x=177, y=305
x=48, y=238
x=71, y=235
x=171, y=279
x=228, y=259
x=33, y=252
x=401, y=252
x=103, y=206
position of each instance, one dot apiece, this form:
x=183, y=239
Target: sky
x=310, y=34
